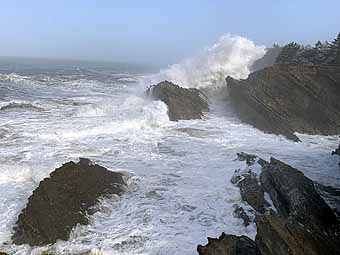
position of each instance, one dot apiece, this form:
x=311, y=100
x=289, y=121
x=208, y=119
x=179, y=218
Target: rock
x=278, y=236
x=284, y=99
x=250, y=159
x=62, y=201
x=19, y=106
x=303, y=223
x=252, y=192
x=295, y=195
x=183, y=104
x=229, y=245
x=239, y=212
x=337, y=152
x=3, y=253
x=248, y=182
x=331, y=196
x=267, y=60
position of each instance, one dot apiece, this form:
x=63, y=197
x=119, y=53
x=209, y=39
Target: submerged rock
x=284, y=99
x=63, y=200
x=229, y=245
x=22, y=106
x=183, y=103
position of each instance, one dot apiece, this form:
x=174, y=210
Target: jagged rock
x=293, y=194
x=279, y=236
x=229, y=245
x=252, y=192
x=248, y=182
x=284, y=99
x=62, y=201
x=183, y=103
x=239, y=212
x=331, y=196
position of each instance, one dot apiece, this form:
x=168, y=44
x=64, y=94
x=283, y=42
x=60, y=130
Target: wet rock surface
x=63, y=200
x=229, y=245
x=183, y=103
x=300, y=218
x=284, y=99
x=293, y=194
x=277, y=235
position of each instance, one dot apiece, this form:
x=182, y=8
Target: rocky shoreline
x=293, y=214
x=292, y=219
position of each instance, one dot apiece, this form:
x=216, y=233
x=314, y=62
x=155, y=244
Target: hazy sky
x=155, y=31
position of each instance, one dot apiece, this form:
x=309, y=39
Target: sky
x=156, y=31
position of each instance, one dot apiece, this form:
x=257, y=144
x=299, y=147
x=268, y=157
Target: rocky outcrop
x=287, y=236
x=63, y=200
x=229, y=245
x=284, y=99
x=294, y=219
x=183, y=103
x=293, y=194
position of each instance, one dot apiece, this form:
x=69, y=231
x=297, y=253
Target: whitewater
x=178, y=172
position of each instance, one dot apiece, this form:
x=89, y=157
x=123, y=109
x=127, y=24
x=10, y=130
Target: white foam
x=230, y=55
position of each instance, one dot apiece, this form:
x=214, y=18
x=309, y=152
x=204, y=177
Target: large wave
x=230, y=55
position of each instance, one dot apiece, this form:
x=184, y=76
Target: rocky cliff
x=284, y=99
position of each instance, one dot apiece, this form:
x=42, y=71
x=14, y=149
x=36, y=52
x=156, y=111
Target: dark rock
x=279, y=236
x=304, y=223
x=241, y=213
x=294, y=195
x=250, y=159
x=3, y=253
x=22, y=106
x=249, y=183
x=331, y=196
x=252, y=192
x=284, y=99
x=183, y=104
x=337, y=151
x=229, y=245
x=62, y=201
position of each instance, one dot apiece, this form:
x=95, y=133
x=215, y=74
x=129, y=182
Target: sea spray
x=230, y=55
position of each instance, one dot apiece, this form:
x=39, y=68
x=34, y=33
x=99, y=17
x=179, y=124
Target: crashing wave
x=230, y=55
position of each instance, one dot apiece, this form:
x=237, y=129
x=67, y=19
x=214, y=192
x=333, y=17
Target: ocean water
x=178, y=172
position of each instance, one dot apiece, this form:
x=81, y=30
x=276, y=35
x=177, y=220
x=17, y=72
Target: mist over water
x=178, y=172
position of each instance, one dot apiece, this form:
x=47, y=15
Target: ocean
x=178, y=173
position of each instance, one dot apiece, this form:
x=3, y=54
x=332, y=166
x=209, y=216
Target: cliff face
x=284, y=99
